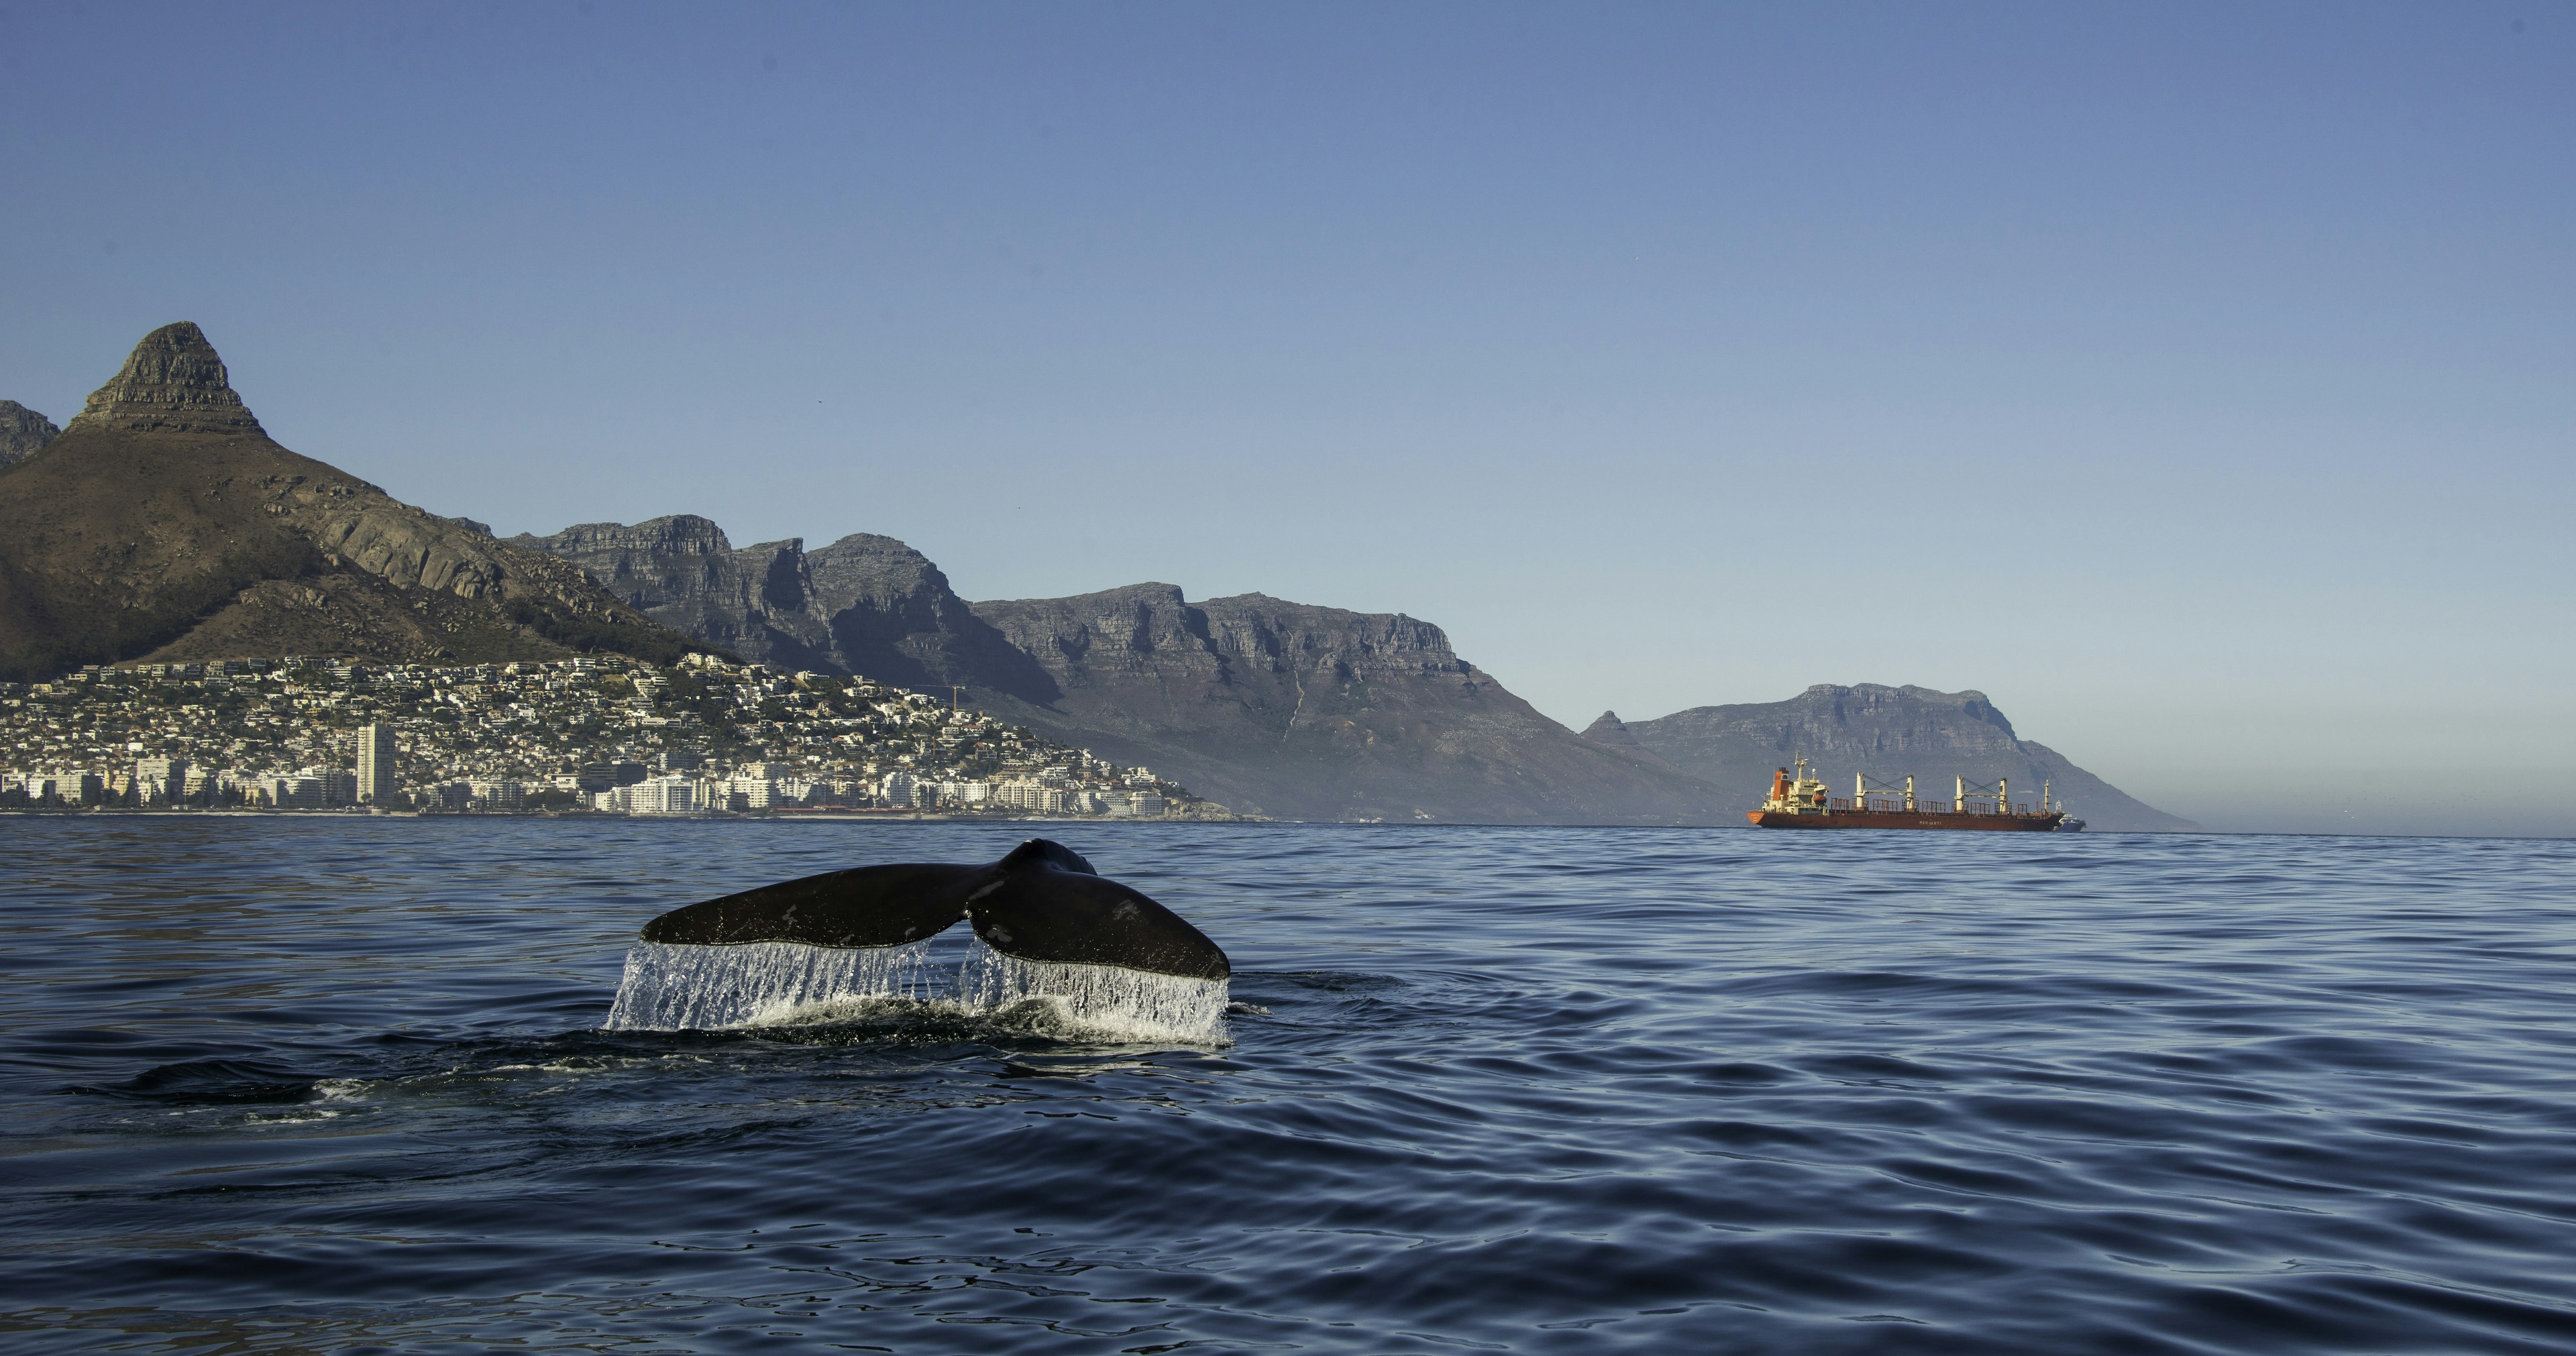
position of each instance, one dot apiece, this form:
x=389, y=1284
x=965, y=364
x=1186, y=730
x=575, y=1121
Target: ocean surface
x=315, y=1085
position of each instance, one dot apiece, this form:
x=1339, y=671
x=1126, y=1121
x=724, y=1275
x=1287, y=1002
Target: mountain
x=1270, y=707
x=1610, y=733
x=1316, y=713
x=22, y=431
x=862, y=605
x=1290, y=710
x=1885, y=732
x=163, y=523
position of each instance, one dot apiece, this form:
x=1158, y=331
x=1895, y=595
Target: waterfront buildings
x=586, y=734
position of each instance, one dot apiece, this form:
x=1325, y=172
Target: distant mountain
x=1316, y=713
x=163, y=523
x=864, y=604
x=1291, y=710
x=22, y=431
x=1270, y=707
x=1885, y=732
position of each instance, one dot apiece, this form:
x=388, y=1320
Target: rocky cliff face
x=164, y=523
x=893, y=614
x=22, y=431
x=1316, y=713
x=1885, y=732
x=864, y=604
x=682, y=572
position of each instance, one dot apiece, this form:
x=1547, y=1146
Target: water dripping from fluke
x=684, y=987
x=1059, y=950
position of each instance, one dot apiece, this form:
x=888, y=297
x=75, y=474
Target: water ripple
x=290, y=1086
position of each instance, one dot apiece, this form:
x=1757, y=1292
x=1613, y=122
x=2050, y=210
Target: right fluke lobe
x=1041, y=902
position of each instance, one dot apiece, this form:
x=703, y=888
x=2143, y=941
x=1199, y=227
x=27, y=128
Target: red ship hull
x=1900, y=819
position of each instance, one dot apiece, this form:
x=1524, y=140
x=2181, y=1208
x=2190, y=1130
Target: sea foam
x=701, y=988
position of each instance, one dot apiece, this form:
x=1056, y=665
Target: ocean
x=277, y=1084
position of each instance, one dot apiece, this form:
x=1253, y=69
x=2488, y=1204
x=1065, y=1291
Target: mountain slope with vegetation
x=163, y=523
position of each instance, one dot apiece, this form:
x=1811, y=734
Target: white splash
x=700, y=988
x=1103, y=1002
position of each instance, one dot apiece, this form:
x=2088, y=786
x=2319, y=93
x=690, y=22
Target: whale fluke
x=868, y=906
x=1042, y=902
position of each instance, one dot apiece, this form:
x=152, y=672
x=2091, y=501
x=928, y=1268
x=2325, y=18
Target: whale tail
x=1042, y=902
x=1098, y=957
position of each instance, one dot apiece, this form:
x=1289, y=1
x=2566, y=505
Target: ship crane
x=1863, y=787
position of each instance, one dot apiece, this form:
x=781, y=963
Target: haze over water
x=275, y=1085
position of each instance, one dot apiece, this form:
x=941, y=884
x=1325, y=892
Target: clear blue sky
x=2197, y=381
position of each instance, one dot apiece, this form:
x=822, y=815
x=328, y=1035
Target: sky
x=2196, y=381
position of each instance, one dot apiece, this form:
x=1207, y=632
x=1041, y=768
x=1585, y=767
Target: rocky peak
x=173, y=382
x=22, y=431
x=1613, y=733
x=867, y=570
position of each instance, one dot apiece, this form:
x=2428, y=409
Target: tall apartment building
x=161, y=779
x=376, y=779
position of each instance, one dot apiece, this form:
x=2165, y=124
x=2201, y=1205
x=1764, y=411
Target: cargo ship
x=1798, y=801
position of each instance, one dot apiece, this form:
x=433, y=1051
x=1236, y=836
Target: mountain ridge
x=1882, y=731
x=23, y=432
x=1270, y=706
x=865, y=604
x=1314, y=712
x=1290, y=709
x=163, y=523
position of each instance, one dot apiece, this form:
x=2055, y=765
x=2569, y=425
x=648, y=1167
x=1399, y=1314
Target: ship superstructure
x=1801, y=801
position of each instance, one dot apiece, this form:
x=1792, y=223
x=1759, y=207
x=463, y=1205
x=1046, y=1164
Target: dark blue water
x=278, y=1085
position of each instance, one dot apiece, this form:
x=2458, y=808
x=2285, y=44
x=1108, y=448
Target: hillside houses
x=585, y=735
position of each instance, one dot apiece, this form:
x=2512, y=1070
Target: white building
x=160, y=779
x=658, y=796
x=1029, y=794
